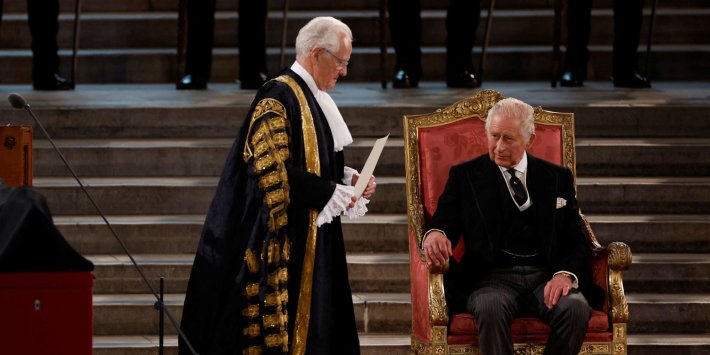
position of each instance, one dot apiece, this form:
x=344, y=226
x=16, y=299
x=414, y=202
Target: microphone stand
x=19, y=102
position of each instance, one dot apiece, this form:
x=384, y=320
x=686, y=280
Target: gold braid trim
x=251, y=290
x=252, y=331
x=251, y=311
x=252, y=261
x=267, y=150
x=263, y=107
x=310, y=145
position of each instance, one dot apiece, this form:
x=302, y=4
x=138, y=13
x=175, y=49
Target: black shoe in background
x=52, y=83
x=570, y=79
x=631, y=80
x=253, y=82
x=188, y=82
x=405, y=80
x=464, y=79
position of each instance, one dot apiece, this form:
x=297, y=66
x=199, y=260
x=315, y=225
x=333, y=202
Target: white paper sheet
x=369, y=167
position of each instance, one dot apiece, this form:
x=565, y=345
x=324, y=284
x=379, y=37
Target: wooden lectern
x=16, y=155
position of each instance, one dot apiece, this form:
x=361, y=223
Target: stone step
x=664, y=313
x=206, y=157
x=123, y=314
x=182, y=195
x=389, y=272
x=179, y=234
x=370, y=344
x=134, y=314
x=176, y=157
x=399, y=344
x=18, y=6
x=382, y=272
x=671, y=233
x=505, y=63
x=668, y=273
x=103, y=30
x=662, y=344
x=159, y=111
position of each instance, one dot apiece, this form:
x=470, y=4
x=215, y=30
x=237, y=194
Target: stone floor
x=429, y=94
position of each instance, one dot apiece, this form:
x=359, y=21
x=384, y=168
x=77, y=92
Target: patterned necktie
x=516, y=185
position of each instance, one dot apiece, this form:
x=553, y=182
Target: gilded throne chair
x=454, y=134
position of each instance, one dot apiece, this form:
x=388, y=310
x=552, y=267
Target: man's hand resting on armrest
x=437, y=248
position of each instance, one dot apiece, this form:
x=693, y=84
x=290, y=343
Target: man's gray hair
x=514, y=108
x=324, y=32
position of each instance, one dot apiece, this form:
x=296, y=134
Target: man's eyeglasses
x=342, y=63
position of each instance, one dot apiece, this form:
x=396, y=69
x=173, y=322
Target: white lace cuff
x=348, y=173
x=358, y=210
x=338, y=203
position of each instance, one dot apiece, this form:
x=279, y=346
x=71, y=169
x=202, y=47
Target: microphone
x=19, y=102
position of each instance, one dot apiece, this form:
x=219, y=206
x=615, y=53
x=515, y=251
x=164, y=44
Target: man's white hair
x=516, y=109
x=323, y=32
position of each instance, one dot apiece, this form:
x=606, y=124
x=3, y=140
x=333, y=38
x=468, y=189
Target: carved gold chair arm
x=437, y=300
x=619, y=259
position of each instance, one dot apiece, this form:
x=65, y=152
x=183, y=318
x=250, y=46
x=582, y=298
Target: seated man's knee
x=489, y=306
x=574, y=309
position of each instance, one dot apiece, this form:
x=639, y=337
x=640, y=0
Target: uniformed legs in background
x=627, y=33
x=200, y=40
x=405, y=21
x=44, y=26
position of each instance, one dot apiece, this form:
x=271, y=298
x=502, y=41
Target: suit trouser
x=44, y=25
x=405, y=24
x=251, y=35
x=628, y=17
x=519, y=290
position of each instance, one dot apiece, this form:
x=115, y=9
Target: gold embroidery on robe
x=252, y=331
x=310, y=145
x=251, y=311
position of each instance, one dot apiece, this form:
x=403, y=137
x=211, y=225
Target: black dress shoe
x=188, y=82
x=253, y=82
x=633, y=80
x=53, y=83
x=571, y=80
x=404, y=80
x=464, y=79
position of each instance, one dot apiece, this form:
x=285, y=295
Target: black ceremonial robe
x=265, y=279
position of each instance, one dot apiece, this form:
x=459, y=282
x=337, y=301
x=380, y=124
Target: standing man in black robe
x=270, y=274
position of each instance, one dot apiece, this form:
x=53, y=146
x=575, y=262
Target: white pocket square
x=561, y=202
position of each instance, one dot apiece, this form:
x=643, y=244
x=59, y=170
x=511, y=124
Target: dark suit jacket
x=471, y=206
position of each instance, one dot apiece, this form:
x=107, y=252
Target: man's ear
x=315, y=52
x=530, y=141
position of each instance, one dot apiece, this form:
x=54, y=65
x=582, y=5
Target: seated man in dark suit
x=524, y=247
x=628, y=16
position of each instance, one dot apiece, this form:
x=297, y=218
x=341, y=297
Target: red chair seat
x=463, y=330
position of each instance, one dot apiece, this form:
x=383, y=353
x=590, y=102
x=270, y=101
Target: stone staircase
x=134, y=41
x=150, y=156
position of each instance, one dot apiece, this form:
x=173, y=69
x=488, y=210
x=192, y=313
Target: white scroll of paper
x=369, y=167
